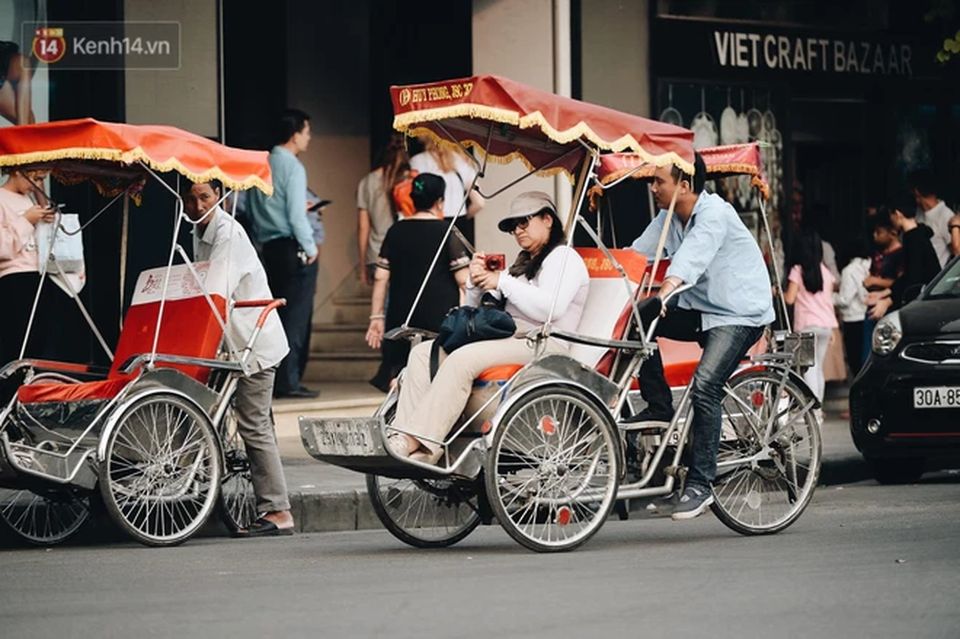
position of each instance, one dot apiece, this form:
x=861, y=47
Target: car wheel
x=897, y=470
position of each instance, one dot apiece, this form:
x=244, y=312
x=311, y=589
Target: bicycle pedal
x=680, y=472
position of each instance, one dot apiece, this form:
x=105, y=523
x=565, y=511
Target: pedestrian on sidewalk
x=810, y=290
x=236, y=273
x=405, y=259
x=288, y=246
x=920, y=262
x=375, y=206
x=932, y=211
x=458, y=173
x=851, y=302
x=886, y=265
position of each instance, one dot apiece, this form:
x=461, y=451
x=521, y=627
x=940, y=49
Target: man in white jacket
x=236, y=273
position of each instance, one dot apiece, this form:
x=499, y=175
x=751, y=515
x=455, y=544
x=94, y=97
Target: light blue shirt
x=284, y=214
x=716, y=253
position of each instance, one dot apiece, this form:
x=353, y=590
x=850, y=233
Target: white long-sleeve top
x=529, y=300
x=851, y=300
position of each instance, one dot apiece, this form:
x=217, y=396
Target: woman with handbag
x=546, y=275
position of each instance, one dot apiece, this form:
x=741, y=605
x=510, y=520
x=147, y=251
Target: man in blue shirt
x=282, y=229
x=725, y=311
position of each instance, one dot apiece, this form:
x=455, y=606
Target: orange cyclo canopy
x=86, y=148
x=721, y=161
x=508, y=120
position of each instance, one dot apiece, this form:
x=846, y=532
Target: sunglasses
x=520, y=222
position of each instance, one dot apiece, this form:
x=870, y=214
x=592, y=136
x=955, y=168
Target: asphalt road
x=864, y=560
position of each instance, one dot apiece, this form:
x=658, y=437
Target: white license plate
x=936, y=397
x=346, y=437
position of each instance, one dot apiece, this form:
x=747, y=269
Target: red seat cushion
x=500, y=373
x=57, y=392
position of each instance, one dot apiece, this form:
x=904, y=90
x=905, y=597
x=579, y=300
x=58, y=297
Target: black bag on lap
x=467, y=324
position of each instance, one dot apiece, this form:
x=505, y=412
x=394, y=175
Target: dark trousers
x=723, y=348
x=853, y=346
x=289, y=278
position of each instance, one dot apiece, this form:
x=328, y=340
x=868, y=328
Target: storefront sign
x=759, y=52
x=798, y=53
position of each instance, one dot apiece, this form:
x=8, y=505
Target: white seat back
x=607, y=299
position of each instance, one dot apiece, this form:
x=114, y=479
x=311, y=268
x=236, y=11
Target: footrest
x=354, y=443
x=50, y=465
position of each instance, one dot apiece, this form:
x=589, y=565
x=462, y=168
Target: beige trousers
x=428, y=410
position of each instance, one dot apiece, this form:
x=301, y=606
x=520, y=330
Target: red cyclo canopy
x=509, y=120
x=162, y=148
x=721, y=161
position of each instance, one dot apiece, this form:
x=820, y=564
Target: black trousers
x=289, y=278
x=682, y=325
x=853, y=345
x=56, y=334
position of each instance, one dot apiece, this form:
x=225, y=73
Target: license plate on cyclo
x=936, y=397
x=350, y=436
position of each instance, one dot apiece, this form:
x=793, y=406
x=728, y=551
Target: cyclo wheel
x=43, y=519
x=237, y=503
x=161, y=472
x=553, y=469
x=425, y=513
x=769, y=493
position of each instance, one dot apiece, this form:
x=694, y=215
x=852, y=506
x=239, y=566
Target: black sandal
x=264, y=528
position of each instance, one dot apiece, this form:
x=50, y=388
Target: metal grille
x=933, y=352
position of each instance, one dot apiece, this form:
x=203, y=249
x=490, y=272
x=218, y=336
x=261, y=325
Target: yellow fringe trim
x=581, y=130
x=644, y=171
x=132, y=156
x=496, y=159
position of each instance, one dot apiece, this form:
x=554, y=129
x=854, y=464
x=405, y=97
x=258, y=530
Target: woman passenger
x=544, y=269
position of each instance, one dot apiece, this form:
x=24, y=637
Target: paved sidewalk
x=328, y=498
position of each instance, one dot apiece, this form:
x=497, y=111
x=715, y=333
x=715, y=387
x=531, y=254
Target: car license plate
x=936, y=397
x=345, y=436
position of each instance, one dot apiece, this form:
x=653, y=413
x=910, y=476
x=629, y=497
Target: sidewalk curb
x=333, y=511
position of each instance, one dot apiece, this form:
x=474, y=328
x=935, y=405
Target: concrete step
x=351, y=310
x=337, y=338
x=343, y=366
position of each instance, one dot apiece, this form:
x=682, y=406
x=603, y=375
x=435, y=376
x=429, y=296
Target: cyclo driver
x=725, y=312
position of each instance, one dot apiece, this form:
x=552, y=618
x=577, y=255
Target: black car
x=905, y=402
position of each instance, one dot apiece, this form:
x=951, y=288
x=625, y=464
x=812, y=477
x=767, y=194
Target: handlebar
x=268, y=304
x=653, y=325
x=407, y=332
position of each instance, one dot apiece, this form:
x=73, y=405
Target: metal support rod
x=582, y=181
x=774, y=258
x=662, y=241
x=124, y=239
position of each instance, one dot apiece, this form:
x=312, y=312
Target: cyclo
x=540, y=447
x=154, y=434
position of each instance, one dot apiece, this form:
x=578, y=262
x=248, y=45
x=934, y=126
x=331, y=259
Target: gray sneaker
x=693, y=502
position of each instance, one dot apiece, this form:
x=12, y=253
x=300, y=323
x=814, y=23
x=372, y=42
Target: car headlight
x=887, y=334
